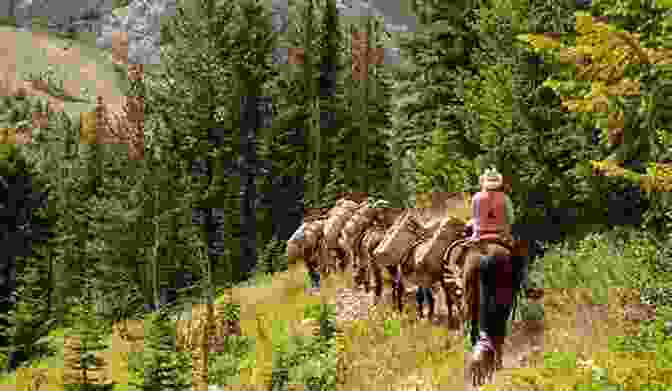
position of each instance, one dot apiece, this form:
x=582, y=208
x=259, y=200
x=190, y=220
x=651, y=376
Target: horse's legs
x=449, y=301
x=345, y=262
x=367, y=278
x=430, y=297
x=400, y=290
x=420, y=298
x=357, y=277
x=378, y=281
x=397, y=286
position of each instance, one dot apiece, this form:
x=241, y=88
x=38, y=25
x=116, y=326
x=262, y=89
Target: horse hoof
x=481, y=367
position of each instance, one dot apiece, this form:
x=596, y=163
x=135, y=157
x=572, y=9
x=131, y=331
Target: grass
x=389, y=351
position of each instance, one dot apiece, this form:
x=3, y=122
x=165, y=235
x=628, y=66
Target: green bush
x=560, y=360
x=599, y=382
x=306, y=360
x=532, y=311
x=39, y=22
x=391, y=327
x=272, y=259
x=600, y=261
x=326, y=317
x=224, y=368
x=121, y=3
x=162, y=368
x=8, y=21
x=318, y=373
x=650, y=337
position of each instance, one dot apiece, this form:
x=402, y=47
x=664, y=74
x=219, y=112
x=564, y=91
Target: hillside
x=380, y=350
x=127, y=233
x=82, y=71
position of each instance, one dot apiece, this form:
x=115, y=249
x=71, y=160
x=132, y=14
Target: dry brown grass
x=422, y=353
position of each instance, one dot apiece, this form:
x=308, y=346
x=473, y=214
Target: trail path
x=527, y=337
x=525, y=342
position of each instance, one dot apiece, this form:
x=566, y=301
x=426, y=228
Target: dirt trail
x=11, y=77
x=527, y=337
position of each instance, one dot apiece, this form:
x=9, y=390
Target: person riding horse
x=493, y=216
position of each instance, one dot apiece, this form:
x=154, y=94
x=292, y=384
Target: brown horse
x=424, y=273
x=368, y=241
x=363, y=254
x=464, y=260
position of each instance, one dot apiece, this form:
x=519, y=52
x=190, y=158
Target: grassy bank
x=598, y=278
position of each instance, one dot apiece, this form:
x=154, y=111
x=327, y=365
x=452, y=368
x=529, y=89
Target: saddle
x=504, y=240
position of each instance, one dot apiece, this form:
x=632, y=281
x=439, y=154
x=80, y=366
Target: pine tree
x=209, y=80
x=164, y=368
x=24, y=278
x=442, y=56
x=84, y=369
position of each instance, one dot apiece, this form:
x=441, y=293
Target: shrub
x=532, y=311
x=162, y=367
x=272, y=259
x=566, y=360
x=8, y=21
x=224, y=368
x=391, y=327
x=306, y=360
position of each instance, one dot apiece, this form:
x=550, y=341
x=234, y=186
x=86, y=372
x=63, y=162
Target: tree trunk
x=155, y=255
x=310, y=94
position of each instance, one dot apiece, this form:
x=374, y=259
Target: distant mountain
x=396, y=17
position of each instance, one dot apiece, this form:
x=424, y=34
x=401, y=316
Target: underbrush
x=292, y=339
x=612, y=270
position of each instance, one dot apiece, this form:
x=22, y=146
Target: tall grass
x=388, y=351
x=605, y=270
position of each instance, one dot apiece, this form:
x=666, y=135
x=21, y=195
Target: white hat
x=491, y=179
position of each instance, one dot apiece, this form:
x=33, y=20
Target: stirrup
x=484, y=344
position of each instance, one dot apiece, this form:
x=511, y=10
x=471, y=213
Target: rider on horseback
x=498, y=204
x=492, y=218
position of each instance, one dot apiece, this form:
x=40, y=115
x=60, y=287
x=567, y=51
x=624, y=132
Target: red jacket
x=489, y=212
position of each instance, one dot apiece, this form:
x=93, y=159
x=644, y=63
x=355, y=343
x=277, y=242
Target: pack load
x=354, y=228
x=387, y=217
x=372, y=238
x=312, y=235
x=398, y=240
x=338, y=216
x=449, y=230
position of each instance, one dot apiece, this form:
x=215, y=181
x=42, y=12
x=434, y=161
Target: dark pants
x=499, y=283
x=315, y=278
x=423, y=294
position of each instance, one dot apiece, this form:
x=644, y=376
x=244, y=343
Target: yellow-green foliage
x=389, y=351
x=265, y=308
